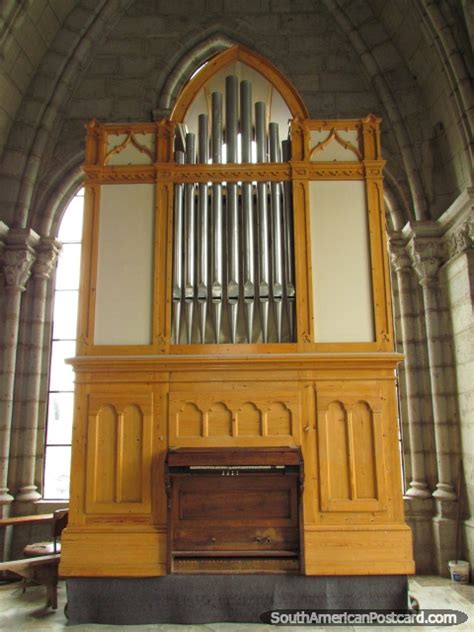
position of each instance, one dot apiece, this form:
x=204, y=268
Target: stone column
x=401, y=262
x=426, y=258
x=18, y=257
x=47, y=253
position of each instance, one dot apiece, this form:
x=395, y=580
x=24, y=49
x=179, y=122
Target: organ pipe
x=248, y=208
x=178, y=253
x=217, y=218
x=190, y=241
x=277, y=259
x=203, y=241
x=263, y=224
x=233, y=250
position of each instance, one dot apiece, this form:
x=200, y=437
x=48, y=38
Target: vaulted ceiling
x=64, y=61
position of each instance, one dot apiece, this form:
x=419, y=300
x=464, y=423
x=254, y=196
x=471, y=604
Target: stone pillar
x=18, y=257
x=426, y=258
x=47, y=253
x=418, y=487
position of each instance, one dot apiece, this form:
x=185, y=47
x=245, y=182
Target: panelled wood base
x=340, y=410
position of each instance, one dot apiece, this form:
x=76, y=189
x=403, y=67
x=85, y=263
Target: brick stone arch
x=56, y=198
x=184, y=67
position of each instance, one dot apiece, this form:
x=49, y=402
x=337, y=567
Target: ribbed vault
x=408, y=56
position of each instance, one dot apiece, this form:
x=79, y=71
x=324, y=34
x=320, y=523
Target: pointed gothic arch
x=255, y=61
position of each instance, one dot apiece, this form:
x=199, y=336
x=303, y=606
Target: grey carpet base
x=217, y=598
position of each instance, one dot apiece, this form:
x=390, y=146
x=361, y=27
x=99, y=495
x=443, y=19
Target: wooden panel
x=219, y=421
x=338, y=452
x=249, y=421
x=130, y=148
x=119, y=448
x=104, y=451
x=236, y=499
x=113, y=553
x=130, y=455
x=189, y=421
x=203, y=419
x=334, y=145
x=351, y=451
x=364, y=448
x=358, y=550
x=279, y=420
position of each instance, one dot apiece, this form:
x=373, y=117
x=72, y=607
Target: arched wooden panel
x=279, y=419
x=189, y=421
x=338, y=452
x=219, y=419
x=119, y=446
x=104, y=433
x=205, y=417
x=249, y=421
x=365, y=472
x=130, y=455
x=350, y=446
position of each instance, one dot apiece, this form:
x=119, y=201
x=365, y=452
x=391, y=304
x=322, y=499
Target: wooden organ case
x=234, y=308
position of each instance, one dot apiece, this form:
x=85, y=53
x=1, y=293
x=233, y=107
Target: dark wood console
x=234, y=509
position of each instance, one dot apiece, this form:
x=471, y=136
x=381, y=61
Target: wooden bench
x=42, y=570
x=39, y=568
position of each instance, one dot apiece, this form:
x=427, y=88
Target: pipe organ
x=235, y=300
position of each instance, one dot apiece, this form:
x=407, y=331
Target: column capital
x=399, y=256
x=461, y=238
x=47, y=251
x=18, y=257
x=427, y=257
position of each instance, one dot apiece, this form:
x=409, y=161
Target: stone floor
x=25, y=611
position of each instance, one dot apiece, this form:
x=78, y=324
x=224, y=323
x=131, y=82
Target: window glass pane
x=62, y=375
x=65, y=314
x=60, y=411
x=56, y=472
x=71, y=224
x=67, y=275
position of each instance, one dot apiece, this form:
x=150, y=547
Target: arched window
x=61, y=378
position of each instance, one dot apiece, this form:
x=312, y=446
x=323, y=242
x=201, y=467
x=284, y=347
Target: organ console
x=235, y=323
x=234, y=509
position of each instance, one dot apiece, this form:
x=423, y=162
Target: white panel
x=342, y=287
x=139, y=152
x=123, y=309
x=334, y=150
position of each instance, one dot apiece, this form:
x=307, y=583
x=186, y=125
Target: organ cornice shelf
x=256, y=362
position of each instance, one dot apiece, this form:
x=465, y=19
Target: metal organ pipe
x=289, y=244
x=233, y=250
x=263, y=225
x=217, y=217
x=190, y=241
x=203, y=214
x=234, y=240
x=248, y=208
x=277, y=260
x=178, y=252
